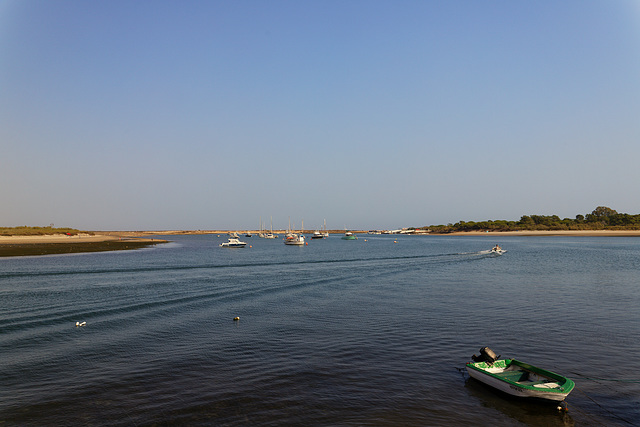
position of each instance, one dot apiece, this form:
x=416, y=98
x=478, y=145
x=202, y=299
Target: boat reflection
x=530, y=412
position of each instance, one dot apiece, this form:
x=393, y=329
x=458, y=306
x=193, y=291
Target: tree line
x=601, y=218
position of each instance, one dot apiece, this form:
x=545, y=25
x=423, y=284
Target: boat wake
x=476, y=253
x=491, y=252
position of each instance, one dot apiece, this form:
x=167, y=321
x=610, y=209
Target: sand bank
x=63, y=244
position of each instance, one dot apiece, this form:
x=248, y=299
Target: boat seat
x=514, y=376
x=546, y=384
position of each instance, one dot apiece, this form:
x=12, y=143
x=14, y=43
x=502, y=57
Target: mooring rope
x=605, y=409
x=582, y=377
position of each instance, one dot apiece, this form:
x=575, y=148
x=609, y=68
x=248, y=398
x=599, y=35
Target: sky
x=369, y=114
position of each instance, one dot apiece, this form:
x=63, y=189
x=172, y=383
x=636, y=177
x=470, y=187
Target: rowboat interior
x=506, y=370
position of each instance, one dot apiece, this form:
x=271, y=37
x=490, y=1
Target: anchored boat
x=518, y=378
x=349, y=236
x=294, y=239
x=233, y=243
x=321, y=234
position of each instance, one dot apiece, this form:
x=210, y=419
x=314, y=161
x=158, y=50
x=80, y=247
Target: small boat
x=263, y=232
x=233, y=243
x=349, y=236
x=321, y=234
x=497, y=250
x=517, y=378
x=294, y=239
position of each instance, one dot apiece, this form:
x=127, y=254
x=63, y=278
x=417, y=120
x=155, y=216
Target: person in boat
x=496, y=248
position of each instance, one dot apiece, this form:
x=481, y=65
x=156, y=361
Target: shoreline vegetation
x=603, y=221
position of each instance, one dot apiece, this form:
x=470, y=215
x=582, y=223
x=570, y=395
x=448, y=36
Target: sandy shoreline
x=63, y=244
x=62, y=238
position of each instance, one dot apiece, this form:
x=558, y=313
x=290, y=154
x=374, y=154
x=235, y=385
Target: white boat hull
x=520, y=379
x=299, y=241
x=233, y=243
x=514, y=390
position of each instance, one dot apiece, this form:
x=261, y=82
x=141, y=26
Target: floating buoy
x=250, y=246
x=78, y=324
x=235, y=319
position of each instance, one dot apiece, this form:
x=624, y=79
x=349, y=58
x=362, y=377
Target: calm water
x=334, y=333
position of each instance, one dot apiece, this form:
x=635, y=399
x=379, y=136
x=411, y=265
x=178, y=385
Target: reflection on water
x=529, y=412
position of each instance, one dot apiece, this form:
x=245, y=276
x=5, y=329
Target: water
x=334, y=333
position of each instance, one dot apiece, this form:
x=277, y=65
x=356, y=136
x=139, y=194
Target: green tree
x=601, y=214
x=526, y=221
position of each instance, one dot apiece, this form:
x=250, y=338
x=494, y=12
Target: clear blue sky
x=369, y=114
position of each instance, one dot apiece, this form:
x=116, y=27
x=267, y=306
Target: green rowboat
x=518, y=378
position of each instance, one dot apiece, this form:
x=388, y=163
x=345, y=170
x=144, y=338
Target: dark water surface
x=366, y=332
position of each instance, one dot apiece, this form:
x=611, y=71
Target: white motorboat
x=294, y=239
x=321, y=234
x=233, y=243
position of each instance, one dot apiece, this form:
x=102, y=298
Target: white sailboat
x=263, y=233
x=270, y=235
